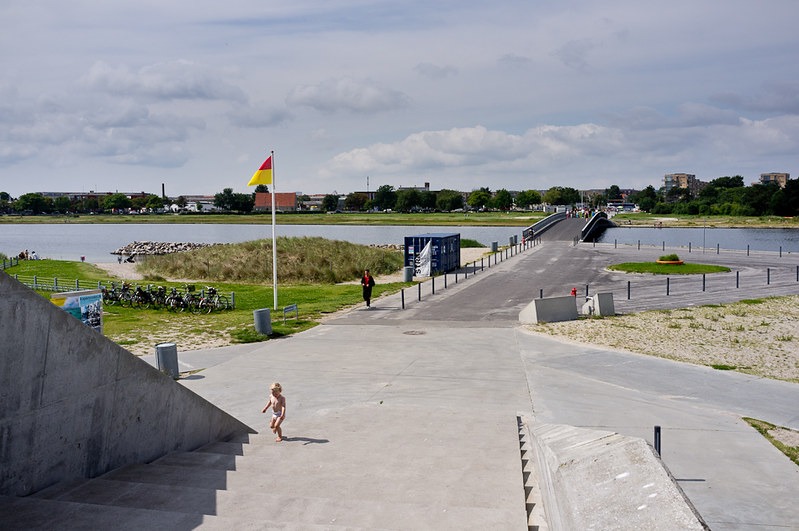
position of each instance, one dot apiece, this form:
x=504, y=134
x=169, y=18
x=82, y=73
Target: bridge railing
x=535, y=230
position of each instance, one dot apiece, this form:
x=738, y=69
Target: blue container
x=445, y=251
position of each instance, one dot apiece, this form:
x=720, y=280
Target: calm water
x=96, y=242
x=756, y=239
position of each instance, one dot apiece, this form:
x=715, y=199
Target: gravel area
x=756, y=337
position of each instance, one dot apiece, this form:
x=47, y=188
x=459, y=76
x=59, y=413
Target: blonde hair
x=275, y=385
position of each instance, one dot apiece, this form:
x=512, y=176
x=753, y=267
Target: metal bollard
x=419, y=285
x=703, y=282
x=541, y=293
x=402, y=291
x=628, y=290
x=657, y=439
x=737, y=279
x=433, y=284
x=667, y=285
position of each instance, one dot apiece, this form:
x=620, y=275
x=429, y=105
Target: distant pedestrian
x=119, y=258
x=278, y=404
x=574, y=292
x=34, y=256
x=367, y=282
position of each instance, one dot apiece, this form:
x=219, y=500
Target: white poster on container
x=84, y=305
x=423, y=261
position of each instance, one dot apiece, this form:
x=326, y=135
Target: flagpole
x=274, y=240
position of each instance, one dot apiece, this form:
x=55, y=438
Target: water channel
x=96, y=242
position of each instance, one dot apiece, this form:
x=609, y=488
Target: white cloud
x=347, y=94
x=177, y=80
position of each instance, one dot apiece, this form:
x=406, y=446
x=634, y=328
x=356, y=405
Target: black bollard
x=657, y=439
x=628, y=290
x=667, y=286
x=403, y=298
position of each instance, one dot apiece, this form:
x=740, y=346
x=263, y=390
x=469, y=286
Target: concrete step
x=199, y=459
x=35, y=514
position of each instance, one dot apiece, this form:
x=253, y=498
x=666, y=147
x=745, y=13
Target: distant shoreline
x=463, y=219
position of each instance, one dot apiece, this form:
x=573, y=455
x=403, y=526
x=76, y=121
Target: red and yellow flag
x=263, y=175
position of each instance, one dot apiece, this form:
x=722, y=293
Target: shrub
x=669, y=258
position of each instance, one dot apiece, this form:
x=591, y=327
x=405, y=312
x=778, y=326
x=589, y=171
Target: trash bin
x=166, y=359
x=407, y=274
x=510, y=241
x=494, y=247
x=263, y=321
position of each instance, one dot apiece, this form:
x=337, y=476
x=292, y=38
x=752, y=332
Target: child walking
x=278, y=404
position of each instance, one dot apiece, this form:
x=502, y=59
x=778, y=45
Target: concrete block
x=603, y=304
x=599, y=304
x=549, y=310
x=592, y=479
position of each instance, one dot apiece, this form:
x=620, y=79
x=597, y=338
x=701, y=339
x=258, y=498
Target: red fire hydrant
x=574, y=292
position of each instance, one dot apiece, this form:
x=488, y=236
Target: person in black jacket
x=367, y=282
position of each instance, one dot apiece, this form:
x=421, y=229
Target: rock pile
x=148, y=248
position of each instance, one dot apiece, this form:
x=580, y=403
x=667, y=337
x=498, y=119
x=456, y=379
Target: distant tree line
x=721, y=196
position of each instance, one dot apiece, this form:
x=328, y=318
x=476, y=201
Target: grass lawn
x=133, y=327
x=668, y=269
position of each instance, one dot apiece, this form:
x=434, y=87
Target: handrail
x=598, y=223
x=537, y=228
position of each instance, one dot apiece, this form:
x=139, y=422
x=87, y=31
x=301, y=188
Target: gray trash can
x=166, y=359
x=263, y=321
x=494, y=247
x=407, y=274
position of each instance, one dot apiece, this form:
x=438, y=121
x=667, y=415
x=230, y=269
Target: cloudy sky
x=516, y=94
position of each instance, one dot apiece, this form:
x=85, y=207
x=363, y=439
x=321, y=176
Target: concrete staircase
x=247, y=483
x=223, y=485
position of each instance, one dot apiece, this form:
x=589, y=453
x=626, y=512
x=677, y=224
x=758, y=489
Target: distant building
x=425, y=188
x=284, y=202
x=199, y=203
x=780, y=178
x=682, y=180
x=91, y=194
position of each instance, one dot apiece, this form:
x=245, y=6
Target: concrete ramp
x=74, y=404
x=593, y=479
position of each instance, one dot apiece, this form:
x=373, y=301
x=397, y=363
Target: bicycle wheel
x=126, y=299
x=222, y=303
x=207, y=305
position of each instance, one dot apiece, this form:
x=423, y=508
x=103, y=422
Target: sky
x=355, y=94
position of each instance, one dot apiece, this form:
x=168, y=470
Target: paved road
x=450, y=374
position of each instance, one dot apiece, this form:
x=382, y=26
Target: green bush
x=669, y=258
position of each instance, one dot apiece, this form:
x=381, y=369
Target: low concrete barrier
x=592, y=479
x=599, y=304
x=549, y=310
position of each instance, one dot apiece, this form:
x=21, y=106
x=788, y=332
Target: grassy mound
x=307, y=260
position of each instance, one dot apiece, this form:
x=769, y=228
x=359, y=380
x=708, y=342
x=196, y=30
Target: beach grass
x=310, y=260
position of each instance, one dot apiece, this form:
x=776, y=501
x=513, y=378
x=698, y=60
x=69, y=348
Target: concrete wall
x=593, y=479
x=73, y=404
x=549, y=310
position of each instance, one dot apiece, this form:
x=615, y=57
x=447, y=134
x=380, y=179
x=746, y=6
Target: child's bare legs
x=276, y=429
